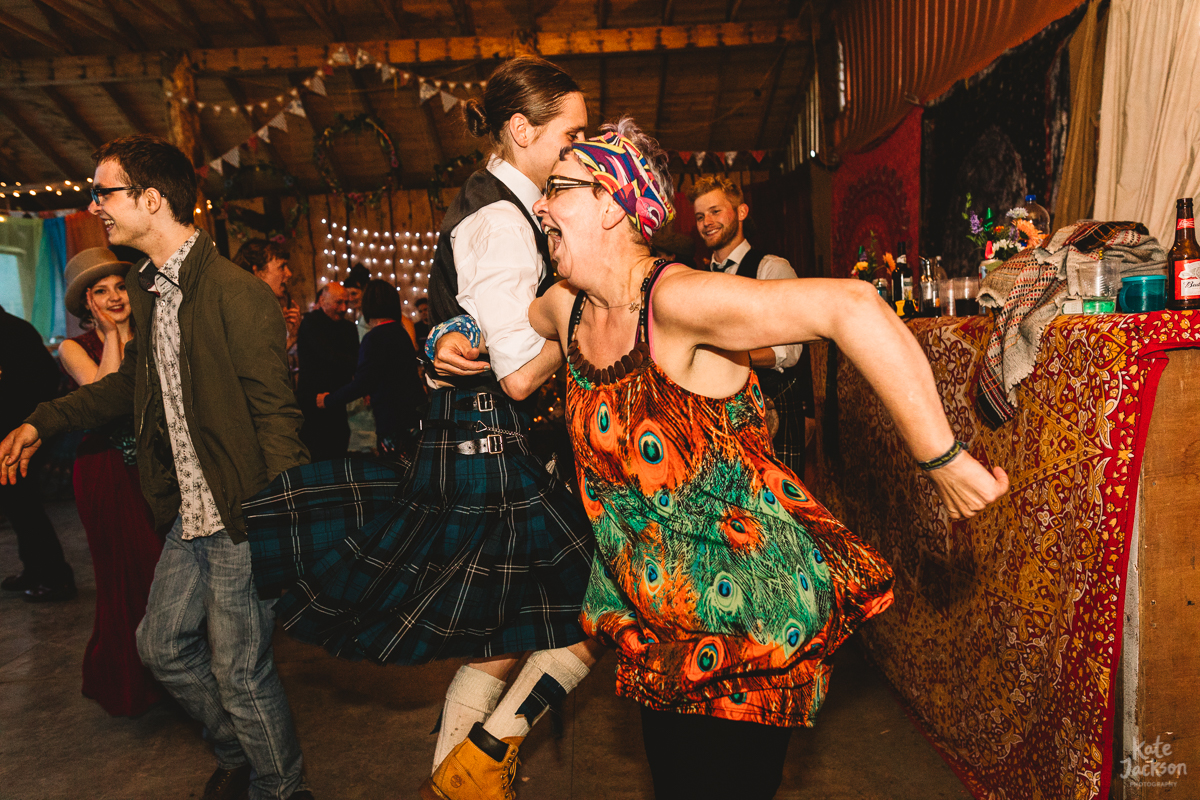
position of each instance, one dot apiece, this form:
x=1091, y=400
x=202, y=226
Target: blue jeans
x=207, y=638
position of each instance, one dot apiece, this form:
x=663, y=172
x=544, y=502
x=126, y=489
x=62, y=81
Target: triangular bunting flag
x=427, y=91
x=264, y=133
x=234, y=157
x=252, y=143
x=685, y=155
x=340, y=56
x=297, y=108
x=218, y=165
x=317, y=84
x=730, y=156
x=326, y=70
x=758, y=155
x=449, y=101
x=203, y=172
x=279, y=121
x=386, y=72
x=700, y=154
x=361, y=58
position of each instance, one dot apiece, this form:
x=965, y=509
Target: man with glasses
x=215, y=420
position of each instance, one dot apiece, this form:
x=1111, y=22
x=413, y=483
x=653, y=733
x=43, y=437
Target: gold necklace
x=633, y=304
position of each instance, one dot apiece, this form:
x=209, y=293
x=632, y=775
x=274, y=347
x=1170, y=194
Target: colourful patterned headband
x=625, y=173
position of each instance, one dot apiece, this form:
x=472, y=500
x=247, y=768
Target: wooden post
x=183, y=128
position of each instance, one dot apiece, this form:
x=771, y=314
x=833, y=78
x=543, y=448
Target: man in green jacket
x=205, y=377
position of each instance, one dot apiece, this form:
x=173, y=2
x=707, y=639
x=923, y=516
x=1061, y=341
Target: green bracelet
x=944, y=459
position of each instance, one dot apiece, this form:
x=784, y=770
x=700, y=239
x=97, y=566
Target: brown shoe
x=228, y=784
x=481, y=768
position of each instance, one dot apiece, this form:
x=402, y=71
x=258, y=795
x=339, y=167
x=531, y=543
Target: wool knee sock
x=546, y=677
x=471, y=698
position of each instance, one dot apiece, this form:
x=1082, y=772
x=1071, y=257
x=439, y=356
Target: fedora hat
x=87, y=267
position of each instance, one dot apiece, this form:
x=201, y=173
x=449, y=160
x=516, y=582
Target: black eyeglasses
x=99, y=194
x=559, y=183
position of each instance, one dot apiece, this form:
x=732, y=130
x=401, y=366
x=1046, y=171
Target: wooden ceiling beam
x=234, y=12
x=392, y=12
x=193, y=21
x=776, y=72
x=46, y=38
x=178, y=26
x=463, y=16
x=125, y=27
x=134, y=125
x=72, y=115
x=331, y=25
x=88, y=23
x=549, y=44
x=264, y=22
x=38, y=139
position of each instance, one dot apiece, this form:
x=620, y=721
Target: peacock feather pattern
x=722, y=584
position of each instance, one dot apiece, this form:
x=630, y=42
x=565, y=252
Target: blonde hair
x=711, y=183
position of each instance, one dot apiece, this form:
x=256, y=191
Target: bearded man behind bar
x=206, y=379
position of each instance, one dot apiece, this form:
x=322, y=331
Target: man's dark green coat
x=240, y=409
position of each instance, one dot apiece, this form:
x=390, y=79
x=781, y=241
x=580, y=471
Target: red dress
x=125, y=550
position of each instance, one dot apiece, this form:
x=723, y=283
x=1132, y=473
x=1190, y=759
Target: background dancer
x=387, y=372
x=108, y=495
x=723, y=585
x=483, y=553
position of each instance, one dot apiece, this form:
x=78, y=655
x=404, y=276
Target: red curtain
x=83, y=231
x=878, y=192
x=903, y=51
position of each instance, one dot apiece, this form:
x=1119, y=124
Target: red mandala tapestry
x=1005, y=636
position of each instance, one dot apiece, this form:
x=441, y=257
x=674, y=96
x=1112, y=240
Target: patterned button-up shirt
x=198, y=508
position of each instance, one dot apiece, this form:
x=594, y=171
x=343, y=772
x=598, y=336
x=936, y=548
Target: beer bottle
x=902, y=281
x=1183, y=262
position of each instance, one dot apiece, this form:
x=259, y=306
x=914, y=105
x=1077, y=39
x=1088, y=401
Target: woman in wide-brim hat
x=118, y=523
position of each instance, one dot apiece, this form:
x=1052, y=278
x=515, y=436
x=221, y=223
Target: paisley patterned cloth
x=722, y=584
x=1006, y=634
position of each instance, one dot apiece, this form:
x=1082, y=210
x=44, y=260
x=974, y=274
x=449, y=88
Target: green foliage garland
x=363, y=123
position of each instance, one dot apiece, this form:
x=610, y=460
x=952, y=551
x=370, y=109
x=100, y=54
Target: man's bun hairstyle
x=525, y=85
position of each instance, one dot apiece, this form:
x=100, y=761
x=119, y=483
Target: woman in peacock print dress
x=723, y=586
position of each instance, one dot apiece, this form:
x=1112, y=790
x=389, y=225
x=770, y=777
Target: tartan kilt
x=449, y=556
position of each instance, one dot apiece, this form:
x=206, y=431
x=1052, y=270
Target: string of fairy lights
x=403, y=257
x=58, y=188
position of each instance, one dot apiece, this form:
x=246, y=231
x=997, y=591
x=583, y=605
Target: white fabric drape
x=1150, y=113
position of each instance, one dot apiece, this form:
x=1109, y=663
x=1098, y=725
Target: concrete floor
x=365, y=729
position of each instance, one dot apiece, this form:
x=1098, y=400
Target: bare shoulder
x=681, y=290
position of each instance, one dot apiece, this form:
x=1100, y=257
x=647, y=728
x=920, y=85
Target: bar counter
x=1039, y=644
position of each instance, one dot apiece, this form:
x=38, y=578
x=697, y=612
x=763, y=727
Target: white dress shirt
x=499, y=269
x=771, y=268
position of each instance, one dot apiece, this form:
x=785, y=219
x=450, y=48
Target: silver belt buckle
x=494, y=443
x=484, y=402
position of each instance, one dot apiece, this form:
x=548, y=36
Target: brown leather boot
x=480, y=768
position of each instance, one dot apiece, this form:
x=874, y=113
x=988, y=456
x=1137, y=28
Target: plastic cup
x=958, y=297
x=1140, y=293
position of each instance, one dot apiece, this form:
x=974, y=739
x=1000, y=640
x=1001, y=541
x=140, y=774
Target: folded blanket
x=1028, y=291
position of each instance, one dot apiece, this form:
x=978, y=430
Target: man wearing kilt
x=474, y=550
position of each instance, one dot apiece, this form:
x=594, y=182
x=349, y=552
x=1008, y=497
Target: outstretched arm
x=744, y=314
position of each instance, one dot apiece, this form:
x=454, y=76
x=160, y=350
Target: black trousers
x=325, y=433
x=37, y=542
x=693, y=756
